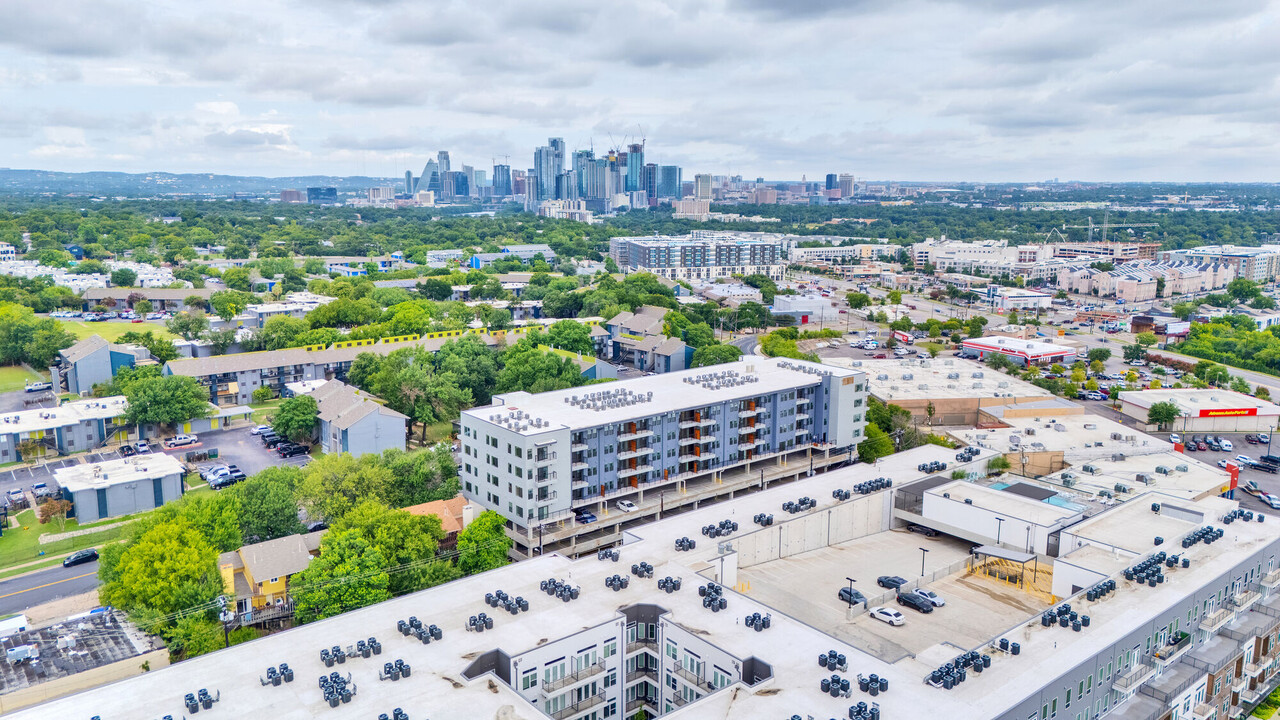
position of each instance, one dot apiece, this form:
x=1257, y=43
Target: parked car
x=934, y=598
x=1226, y=445
x=584, y=516
x=1213, y=444
x=847, y=595
x=183, y=440
x=887, y=615
x=1251, y=439
x=627, y=506
x=38, y=386
x=215, y=471
x=922, y=530
x=1202, y=447
x=1175, y=438
x=271, y=439
x=1264, y=439
x=1244, y=460
x=1138, y=363
x=41, y=490
x=288, y=450
x=1095, y=395
x=1271, y=500
x=915, y=602
x=1222, y=464
x=142, y=447
x=80, y=558
x=127, y=451
x=260, y=429
x=892, y=582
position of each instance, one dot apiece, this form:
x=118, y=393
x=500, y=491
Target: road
x=25, y=591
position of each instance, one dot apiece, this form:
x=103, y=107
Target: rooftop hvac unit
x=977, y=386
x=1002, y=384
x=1068, y=482
x=978, y=374
x=1162, y=470
x=1117, y=457
x=1144, y=478
x=1181, y=468
x=1089, y=469
x=1091, y=426
x=953, y=376
x=1030, y=431
x=923, y=386
x=1015, y=439
x=908, y=376
x=1116, y=436
x=882, y=376
x=951, y=386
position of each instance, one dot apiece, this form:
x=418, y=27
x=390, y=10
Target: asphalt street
x=19, y=593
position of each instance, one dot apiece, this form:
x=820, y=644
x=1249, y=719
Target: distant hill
x=25, y=182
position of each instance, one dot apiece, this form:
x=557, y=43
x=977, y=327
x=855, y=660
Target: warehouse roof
x=1202, y=403
x=941, y=379
x=92, y=476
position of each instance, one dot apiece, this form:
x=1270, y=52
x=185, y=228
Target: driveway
x=237, y=447
x=16, y=401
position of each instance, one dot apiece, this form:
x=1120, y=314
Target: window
x=528, y=679
x=611, y=648
x=671, y=650
x=611, y=679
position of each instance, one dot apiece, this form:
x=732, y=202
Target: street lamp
x=999, y=526
x=850, y=598
x=923, y=552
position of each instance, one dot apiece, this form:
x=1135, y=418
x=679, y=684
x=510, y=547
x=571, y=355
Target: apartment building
x=1138, y=280
x=542, y=459
x=635, y=339
x=995, y=258
x=124, y=486
x=162, y=299
x=1117, y=252
x=355, y=422
x=71, y=427
x=1259, y=264
x=702, y=255
x=843, y=254
x=92, y=361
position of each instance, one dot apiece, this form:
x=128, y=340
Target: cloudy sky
x=983, y=90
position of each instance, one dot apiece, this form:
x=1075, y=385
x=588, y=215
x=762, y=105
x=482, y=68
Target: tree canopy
x=166, y=400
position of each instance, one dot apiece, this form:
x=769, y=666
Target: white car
x=1226, y=445
x=180, y=440
x=1270, y=500
x=934, y=598
x=1138, y=363
x=1175, y=438
x=260, y=429
x=901, y=352
x=887, y=615
x=1244, y=460
x=627, y=506
x=142, y=447
x=215, y=472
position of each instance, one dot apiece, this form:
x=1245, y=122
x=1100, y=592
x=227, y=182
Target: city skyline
x=922, y=91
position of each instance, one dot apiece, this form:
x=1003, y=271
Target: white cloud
x=918, y=89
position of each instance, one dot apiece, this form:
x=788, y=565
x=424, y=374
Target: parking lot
x=808, y=585
x=237, y=447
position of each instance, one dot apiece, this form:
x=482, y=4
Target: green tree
x=333, y=484
x=268, y=509
x=895, y=297
x=195, y=302
x=161, y=349
x=280, y=332
x=193, y=636
x=998, y=464
x=976, y=326
x=876, y=445
x=1162, y=414
x=1099, y=354
x=296, y=419
x=169, y=567
x=220, y=340
x=166, y=400
x=142, y=307
x=1240, y=385
x=529, y=369
x=188, y=325
x=261, y=395
x=403, y=539
x=999, y=361
x=1184, y=310
x=1134, y=352
x=214, y=515
x=715, y=355
x=483, y=545
x=237, y=279
x=227, y=304
x=1145, y=339
x=1262, y=392
x=858, y=300
x=124, y=277
x=349, y=574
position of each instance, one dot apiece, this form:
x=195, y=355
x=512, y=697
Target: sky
x=966, y=90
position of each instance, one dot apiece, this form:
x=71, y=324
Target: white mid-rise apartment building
x=702, y=255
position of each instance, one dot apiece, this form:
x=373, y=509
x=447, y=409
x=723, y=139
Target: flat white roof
x=935, y=376
x=1202, y=403
x=26, y=421
x=146, y=466
x=655, y=394
x=1018, y=346
x=1004, y=503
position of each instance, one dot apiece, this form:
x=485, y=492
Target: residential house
x=455, y=514
x=257, y=575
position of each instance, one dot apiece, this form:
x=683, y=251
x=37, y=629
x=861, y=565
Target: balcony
x=1240, y=684
x=802, y=431
x=577, y=447
x=624, y=437
x=688, y=676
x=628, y=472
x=579, y=465
x=635, y=453
x=1137, y=675
x=690, y=458
x=544, y=458
x=803, y=416
x=679, y=701
x=1174, y=649
x=750, y=413
x=744, y=429
x=697, y=441
x=579, y=707
x=1203, y=712
x=543, y=478
x=642, y=673
x=642, y=644
x=590, y=671
x=804, y=400
x=1255, y=669
x=638, y=703
x=1271, y=580
x=686, y=424
x=1244, y=600
x=578, y=485
x=546, y=497
x=1214, y=621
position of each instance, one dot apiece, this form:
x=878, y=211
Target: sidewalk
x=55, y=537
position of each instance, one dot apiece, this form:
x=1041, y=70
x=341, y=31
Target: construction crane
x=1106, y=226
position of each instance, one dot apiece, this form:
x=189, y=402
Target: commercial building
x=702, y=255
x=256, y=576
x=1118, y=252
x=120, y=487
x=93, y=361
x=1203, y=638
x=1006, y=299
x=1209, y=410
x=1025, y=352
x=957, y=390
x=841, y=253
x=539, y=459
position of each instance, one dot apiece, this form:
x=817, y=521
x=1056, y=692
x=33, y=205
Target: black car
x=915, y=602
x=288, y=450
x=79, y=558
x=892, y=582
x=271, y=440
x=127, y=451
x=226, y=481
x=922, y=530
x=854, y=599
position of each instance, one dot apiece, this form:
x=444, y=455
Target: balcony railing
x=573, y=677
x=681, y=672
x=750, y=413
x=546, y=498
x=697, y=441
x=1244, y=600
x=635, y=453
x=577, y=447
x=642, y=644
x=1169, y=652
x=744, y=429
x=686, y=424
x=1136, y=675
x=1271, y=580
x=624, y=437
x=628, y=472
x=641, y=673
x=679, y=701
x=1203, y=712
x=1214, y=621
x=579, y=707
x=634, y=705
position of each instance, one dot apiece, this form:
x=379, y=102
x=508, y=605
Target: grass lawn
x=112, y=330
x=262, y=410
x=21, y=546
x=15, y=377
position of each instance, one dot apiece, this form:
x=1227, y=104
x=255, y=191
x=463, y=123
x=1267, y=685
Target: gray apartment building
x=702, y=255
x=635, y=339
x=92, y=361
x=71, y=427
x=540, y=460
x=355, y=422
x=120, y=487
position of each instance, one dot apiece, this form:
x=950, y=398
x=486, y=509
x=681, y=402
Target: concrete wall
x=1013, y=532
x=374, y=433
x=61, y=687
x=863, y=515
x=89, y=371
